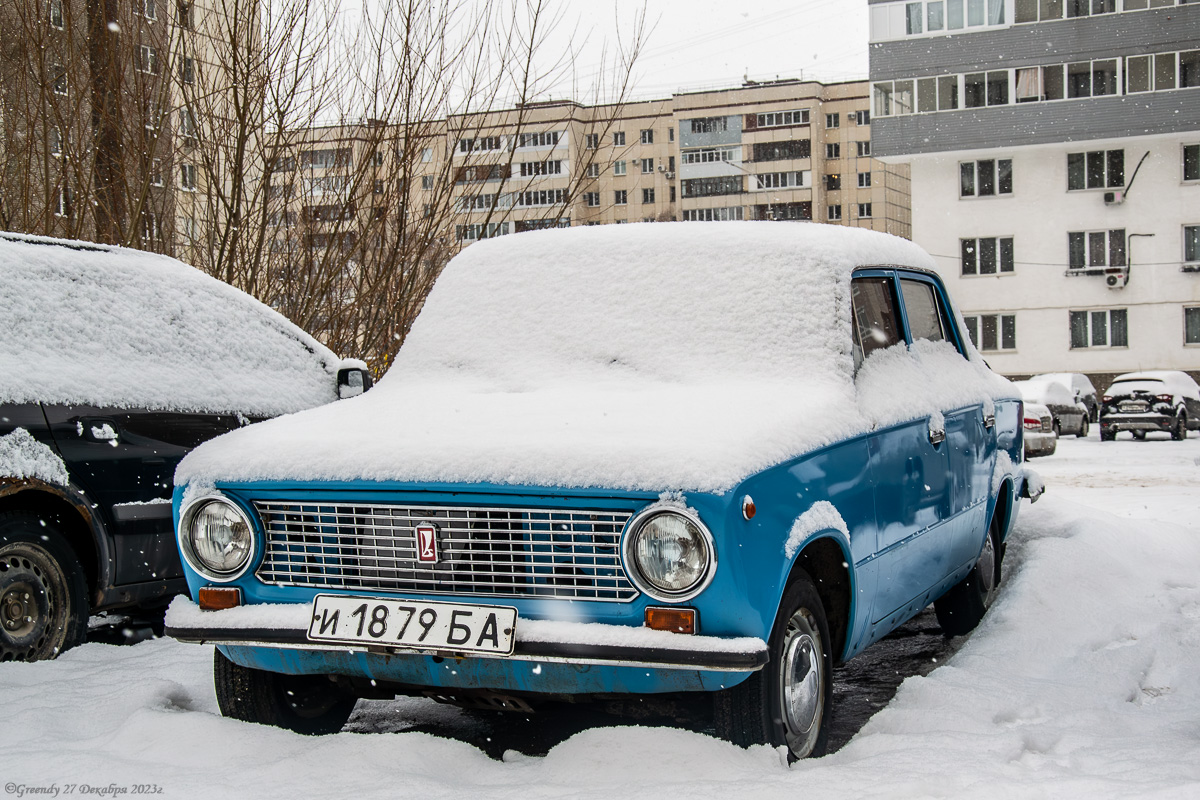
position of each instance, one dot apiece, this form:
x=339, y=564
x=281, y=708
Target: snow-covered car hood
x=106, y=326
x=666, y=356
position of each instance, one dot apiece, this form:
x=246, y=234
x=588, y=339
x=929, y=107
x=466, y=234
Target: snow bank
x=22, y=456
x=672, y=356
x=107, y=326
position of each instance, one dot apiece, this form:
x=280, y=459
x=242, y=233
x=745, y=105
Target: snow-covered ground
x=1083, y=681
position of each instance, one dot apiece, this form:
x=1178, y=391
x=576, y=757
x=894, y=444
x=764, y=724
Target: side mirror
x=353, y=381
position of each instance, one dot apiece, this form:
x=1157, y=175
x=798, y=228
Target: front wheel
x=308, y=704
x=43, y=594
x=1107, y=434
x=1139, y=435
x=1083, y=428
x=962, y=608
x=788, y=701
x=1180, y=431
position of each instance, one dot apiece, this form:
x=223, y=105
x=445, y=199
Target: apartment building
x=1054, y=148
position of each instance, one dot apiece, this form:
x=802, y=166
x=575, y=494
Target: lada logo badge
x=427, y=547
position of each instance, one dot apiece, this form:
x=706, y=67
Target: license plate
x=413, y=625
x=1135, y=406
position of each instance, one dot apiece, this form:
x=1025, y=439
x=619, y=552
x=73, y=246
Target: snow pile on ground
x=107, y=326
x=648, y=357
x=22, y=456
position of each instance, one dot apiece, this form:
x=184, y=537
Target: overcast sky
x=698, y=44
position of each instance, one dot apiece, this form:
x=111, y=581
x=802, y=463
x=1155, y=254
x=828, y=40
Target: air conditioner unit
x=1114, y=198
x=670, y=176
x=1116, y=277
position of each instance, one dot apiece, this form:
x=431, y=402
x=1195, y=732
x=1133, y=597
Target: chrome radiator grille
x=501, y=552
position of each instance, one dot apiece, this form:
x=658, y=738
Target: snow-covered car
x=1041, y=439
x=113, y=364
x=1080, y=387
x=1069, y=415
x=694, y=462
x=1156, y=400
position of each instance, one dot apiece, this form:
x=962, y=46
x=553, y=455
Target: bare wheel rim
x=802, y=683
x=986, y=570
x=32, y=598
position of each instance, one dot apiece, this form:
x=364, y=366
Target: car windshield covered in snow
x=703, y=460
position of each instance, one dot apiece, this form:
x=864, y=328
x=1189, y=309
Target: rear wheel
x=1139, y=435
x=962, y=608
x=1083, y=428
x=1107, y=434
x=43, y=594
x=1180, y=431
x=788, y=701
x=308, y=704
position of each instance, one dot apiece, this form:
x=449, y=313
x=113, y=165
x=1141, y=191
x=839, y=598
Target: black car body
x=1160, y=400
x=113, y=365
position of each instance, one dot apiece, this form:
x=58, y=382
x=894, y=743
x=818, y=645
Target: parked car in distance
x=1157, y=400
x=1040, y=437
x=682, y=463
x=114, y=363
x=1070, y=415
x=1080, y=386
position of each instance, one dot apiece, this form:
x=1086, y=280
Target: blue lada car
x=687, y=461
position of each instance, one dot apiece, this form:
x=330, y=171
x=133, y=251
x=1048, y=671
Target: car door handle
x=989, y=420
x=937, y=434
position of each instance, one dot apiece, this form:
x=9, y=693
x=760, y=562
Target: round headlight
x=217, y=539
x=671, y=555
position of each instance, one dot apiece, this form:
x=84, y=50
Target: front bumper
x=1149, y=421
x=286, y=627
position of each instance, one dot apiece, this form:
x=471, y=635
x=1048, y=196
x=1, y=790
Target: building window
x=937, y=94
x=378, y=186
x=864, y=180
x=1191, y=325
x=986, y=256
x=647, y=196
x=1153, y=73
x=711, y=155
x=147, y=60
x=1096, y=249
x=728, y=214
x=56, y=14
x=864, y=149
x=893, y=98
x=833, y=182
x=647, y=166
x=985, y=178
x=1098, y=169
x=1092, y=78
x=187, y=177
x=593, y=171
x=469, y=233
x=709, y=124
x=862, y=117
x=619, y=139
x=833, y=120
x=864, y=210
x=147, y=8
x=620, y=197
x=1099, y=328
x=151, y=232
x=325, y=159
x=544, y=139
x=648, y=136
x=58, y=79
x=782, y=151
x=670, y=134
x=781, y=180
x=591, y=141
x=781, y=119
x=672, y=195
x=377, y=159
x=592, y=199
x=187, y=70
x=427, y=182
x=1191, y=162
x=833, y=150
x=711, y=187
x=1084, y=8
x=985, y=89
x=184, y=16
x=834, y=212
x=618, y=168
x=990, y=332
x=542, y=197
x=482, y=144
x=62, y=202
x=56, y=142
x=427, y=155
x=531, y=169
x=1191, y=246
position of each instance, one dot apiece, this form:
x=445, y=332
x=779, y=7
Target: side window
x=925, y=319
x=876, y=321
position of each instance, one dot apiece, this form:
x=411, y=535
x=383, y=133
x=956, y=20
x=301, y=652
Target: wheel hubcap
x=986, y=569
x=28, y=626
x=802, y=684
x=17, y=609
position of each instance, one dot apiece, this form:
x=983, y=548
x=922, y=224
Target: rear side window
x=876, y=321
x=925, y=318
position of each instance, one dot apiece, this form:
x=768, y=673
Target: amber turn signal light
x=675, y=620
x=219, y=598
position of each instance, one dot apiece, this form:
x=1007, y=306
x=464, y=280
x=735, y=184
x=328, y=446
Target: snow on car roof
x=108, y=326
x=1046, y=392
x=653, y=356
x=1178, y=382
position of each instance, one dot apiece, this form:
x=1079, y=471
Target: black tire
x=1057, y=430
x=962, y=608
x=43, y=594
x=755, y=711
x=308, y=704
x=1107, y=434
x=1083, y=428
x=1139, y=435
x=1180, y=431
